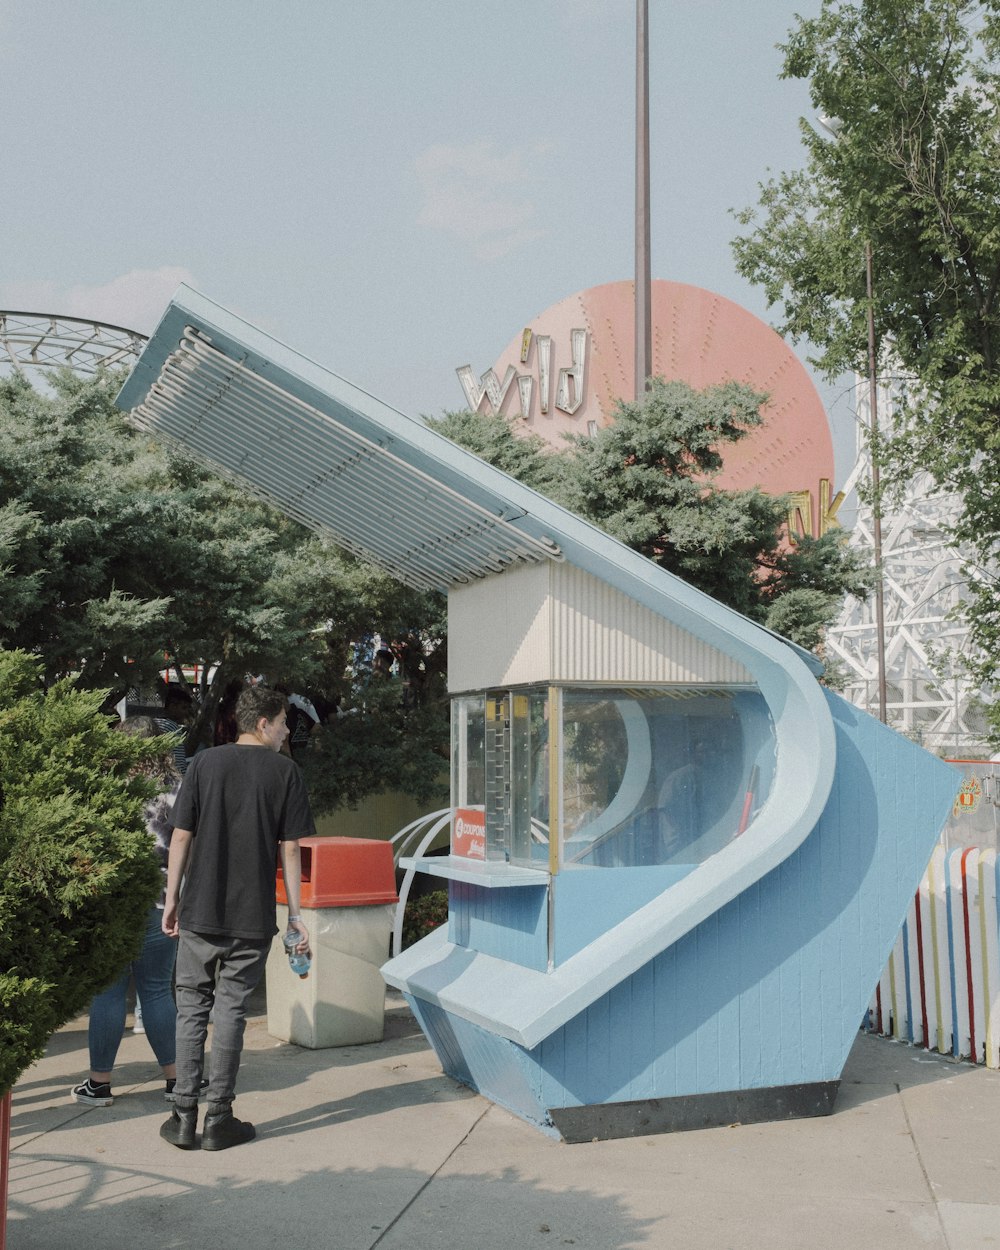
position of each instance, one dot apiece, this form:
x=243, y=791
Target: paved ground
x=372, y=1146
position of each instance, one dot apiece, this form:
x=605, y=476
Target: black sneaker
x=182, y=1128
x=168, y=1093
x=224, y=1130
x=91, y=1095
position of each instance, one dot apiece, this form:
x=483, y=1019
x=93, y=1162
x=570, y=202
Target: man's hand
x=180, y=844
x=303, y=946
x=291, y=872
x=169, y=925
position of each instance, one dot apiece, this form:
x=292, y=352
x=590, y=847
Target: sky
x=391, y=188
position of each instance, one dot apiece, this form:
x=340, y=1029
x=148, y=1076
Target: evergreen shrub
x=423, y=915
x=77, y=869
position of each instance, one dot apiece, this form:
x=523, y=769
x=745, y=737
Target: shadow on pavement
x=87, y=1205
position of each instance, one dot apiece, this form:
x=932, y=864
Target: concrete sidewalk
x=371, y=1146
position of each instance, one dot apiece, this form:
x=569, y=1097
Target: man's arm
x=291, y=871
x=180, y=845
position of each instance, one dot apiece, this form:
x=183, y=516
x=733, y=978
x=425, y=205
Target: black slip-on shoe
x=223, y=1131
x=181, y=1130
x=91, y=1095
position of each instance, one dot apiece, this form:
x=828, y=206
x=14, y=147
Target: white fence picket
x=952, y=935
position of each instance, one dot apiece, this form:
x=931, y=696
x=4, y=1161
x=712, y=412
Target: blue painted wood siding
x=511, y=923
x=771, y=990
x=589, y=901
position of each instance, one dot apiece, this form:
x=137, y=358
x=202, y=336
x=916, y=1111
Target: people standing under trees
x=225, y=716
x=409, y=656
x=153, y=967
x=382, y=662
x=303, y=718
x=178, y=713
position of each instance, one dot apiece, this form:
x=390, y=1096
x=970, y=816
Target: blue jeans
x=153, y=971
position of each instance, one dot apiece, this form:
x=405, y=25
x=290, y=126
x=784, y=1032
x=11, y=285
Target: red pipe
x=4, y=1164
x=920, y=966
x=748, y=800
x=974, y=1055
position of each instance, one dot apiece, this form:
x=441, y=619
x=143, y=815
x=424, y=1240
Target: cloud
x=135, y=300
x=475, y=192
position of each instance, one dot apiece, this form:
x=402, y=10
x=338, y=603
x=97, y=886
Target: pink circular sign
x=565, y=371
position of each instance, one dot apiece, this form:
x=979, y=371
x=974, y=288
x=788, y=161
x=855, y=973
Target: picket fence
x=941, y=986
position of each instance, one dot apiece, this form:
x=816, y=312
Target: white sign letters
x=569, y=388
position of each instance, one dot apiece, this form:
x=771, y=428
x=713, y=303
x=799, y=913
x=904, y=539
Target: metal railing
x=413, y=840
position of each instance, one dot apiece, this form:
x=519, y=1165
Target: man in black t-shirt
x=240, y=806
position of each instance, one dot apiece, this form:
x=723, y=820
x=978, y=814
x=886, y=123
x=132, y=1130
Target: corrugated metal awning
x=322, y=463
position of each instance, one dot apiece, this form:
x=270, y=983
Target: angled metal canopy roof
x=305, y=440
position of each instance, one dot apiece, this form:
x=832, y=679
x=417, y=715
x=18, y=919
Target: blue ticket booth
x=678, y=861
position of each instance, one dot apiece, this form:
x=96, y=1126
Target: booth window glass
x=500, y=767
x=661, y=775
x=468, y=757
x=655, y=775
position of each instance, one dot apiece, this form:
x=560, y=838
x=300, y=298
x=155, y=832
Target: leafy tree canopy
x=912, y=89
x=646, y=479
x=115, y=552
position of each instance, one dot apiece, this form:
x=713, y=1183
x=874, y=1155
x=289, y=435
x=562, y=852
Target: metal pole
x=643, y=280
x=5, y=1117
x=876, y=489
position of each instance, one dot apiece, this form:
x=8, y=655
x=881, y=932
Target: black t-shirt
x=239, y=802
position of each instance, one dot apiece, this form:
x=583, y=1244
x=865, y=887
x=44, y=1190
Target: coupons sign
x=468, y=837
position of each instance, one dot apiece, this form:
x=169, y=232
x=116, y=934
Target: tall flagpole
x=643, y=281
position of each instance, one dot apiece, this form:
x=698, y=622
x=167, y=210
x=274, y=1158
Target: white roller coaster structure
x=931, y=696
x=51, y=341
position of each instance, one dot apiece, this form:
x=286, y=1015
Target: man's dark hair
x=255, y=702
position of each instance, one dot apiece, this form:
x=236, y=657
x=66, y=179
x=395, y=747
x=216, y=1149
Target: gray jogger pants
x=224, y=972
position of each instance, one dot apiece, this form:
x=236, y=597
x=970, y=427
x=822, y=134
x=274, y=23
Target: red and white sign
x=468, y=836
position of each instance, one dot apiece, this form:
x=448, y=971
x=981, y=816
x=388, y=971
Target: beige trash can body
x=348, y=893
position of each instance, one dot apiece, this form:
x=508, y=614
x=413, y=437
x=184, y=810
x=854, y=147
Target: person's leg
x=153, y=972
x=106, y=1029
x=240, y=971
x=198, y=956
x=104, y=1035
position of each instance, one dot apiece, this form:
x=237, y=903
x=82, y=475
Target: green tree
x=388, y=734
x=647, y=480
x=521, y=454
x=77, y=870
x=116, y=552
x=912, y=89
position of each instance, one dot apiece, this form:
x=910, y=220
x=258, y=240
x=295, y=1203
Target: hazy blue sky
x=394, y=188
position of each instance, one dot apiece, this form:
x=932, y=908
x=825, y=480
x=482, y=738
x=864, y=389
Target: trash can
x=348, y=905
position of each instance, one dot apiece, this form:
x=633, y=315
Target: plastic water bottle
x=299, y=962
